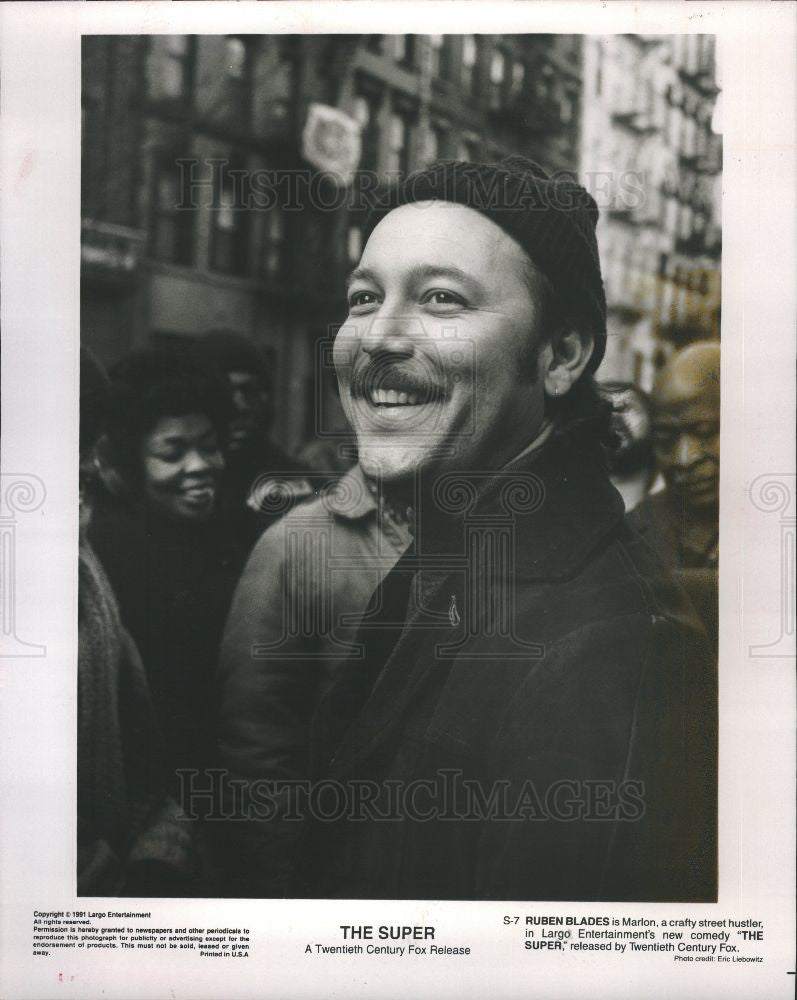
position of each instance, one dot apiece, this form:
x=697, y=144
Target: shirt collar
x=349, y=497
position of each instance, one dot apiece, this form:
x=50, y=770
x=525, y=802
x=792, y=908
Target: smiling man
x=532, y=713
x=436, y=361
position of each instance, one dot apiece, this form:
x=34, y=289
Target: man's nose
x=392, y=334
x=239, y=400
x=689, y=450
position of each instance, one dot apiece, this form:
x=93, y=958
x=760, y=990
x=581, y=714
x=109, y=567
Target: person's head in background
x=248, y=375
x=632, y=463
x=166, y=421
x=686, y=422
x=94, y=391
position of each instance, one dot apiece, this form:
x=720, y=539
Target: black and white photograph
x=397, y=503
x=400, y=402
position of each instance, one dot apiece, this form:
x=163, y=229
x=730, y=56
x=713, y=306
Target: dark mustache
x=385, y=375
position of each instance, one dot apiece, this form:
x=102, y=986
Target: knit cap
x=552, y=218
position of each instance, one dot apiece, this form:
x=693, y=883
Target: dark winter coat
x=174, y=581
x=127, y=824
x=547, y=658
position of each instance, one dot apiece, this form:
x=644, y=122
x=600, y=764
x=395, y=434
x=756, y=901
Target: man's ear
x=565, y=360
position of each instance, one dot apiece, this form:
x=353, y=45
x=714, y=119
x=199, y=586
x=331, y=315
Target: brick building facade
x=172, y=121
x=649, y=104
x=180, y=134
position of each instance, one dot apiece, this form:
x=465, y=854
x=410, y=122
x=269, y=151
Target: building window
x=235, y=60
x=361, y=111
x=439, y=56
x=366, y=112
x=374, y=44
x=398, y=150
x=238, y=67
x=518, y=81
x=701, y=142
x=566, y=107
x=430, y=146
x=174, y=66
x=169, y=67
x=273, y=242
x=544, y=85
x=172, y=225
x=435, y=143
x=685, y=223
x=470, y=61
x=403, y=49
x=354, y=243
x=229, y=241
x=674, y=128
x=497, y=77
x=466, y=150
x=671, y=216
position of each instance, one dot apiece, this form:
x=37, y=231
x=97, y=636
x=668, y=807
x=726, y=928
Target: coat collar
x=579, y=507
x=558, y=500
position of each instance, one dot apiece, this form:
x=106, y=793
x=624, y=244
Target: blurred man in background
x=632, y=463
x=682, y=522
x=256, y=466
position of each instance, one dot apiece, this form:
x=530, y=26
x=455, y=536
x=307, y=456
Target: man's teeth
x=389, y=397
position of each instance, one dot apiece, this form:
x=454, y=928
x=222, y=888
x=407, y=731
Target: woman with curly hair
x=170, y=557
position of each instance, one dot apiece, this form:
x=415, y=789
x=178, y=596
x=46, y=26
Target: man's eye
x=442, y=298
x=361, y=299
x=706, y=430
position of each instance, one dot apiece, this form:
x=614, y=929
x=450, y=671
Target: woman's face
x=182, y=466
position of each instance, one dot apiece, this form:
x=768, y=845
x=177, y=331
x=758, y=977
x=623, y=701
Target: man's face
x=632, y=425
x=251, y=403
x=436, y=360
x=687, y=437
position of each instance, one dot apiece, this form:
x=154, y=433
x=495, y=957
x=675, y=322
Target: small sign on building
x=331, y=142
